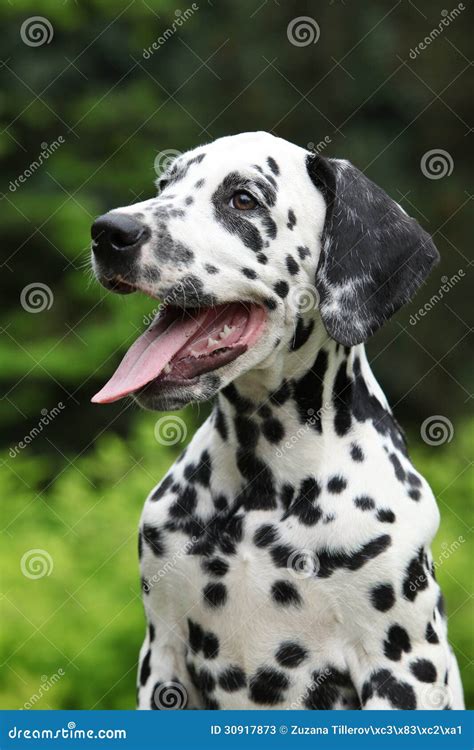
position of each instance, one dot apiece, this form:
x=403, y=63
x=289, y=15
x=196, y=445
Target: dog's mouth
x=182, y=344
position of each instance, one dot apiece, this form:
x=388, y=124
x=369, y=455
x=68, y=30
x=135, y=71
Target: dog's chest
x=245, y=605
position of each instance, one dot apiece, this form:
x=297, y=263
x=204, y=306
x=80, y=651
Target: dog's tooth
x=211, y=342
x=167, y=368
x=194, y=353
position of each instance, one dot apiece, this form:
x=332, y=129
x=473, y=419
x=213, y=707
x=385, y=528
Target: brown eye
x=243, y=201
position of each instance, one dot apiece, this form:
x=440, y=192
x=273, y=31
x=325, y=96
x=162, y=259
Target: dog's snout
x=117, y=232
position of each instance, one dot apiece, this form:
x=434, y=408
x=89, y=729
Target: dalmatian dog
x=285, y=556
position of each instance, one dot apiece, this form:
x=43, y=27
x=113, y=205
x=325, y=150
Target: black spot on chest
x=267, y=686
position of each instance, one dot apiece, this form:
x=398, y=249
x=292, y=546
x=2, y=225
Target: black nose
x=117, y=232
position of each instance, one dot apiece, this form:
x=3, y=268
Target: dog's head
x=247, y=238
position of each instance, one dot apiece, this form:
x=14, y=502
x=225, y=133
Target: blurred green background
x=105, y=113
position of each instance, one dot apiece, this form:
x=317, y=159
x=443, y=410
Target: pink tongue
x=147, y=357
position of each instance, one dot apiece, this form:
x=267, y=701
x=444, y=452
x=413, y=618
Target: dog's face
x=247, y=235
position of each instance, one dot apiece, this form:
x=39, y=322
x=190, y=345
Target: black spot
x=291, y=219
x=430, y=634
x=249, y=273
x=337, y=484
x=308, y=392
x=364, y=503
x=220, y=423
x=202, y=472
x=210, y=646
x=145, y=669
x=440, y=605
x=304, y=505
x=189, y=200
x=206, y=680
x=151, y=632
x=221, y=503
x=383, y=597
x=285, y=594
x=416, y=578
x=280, y=554
x=273, y=430
x=199, y=183
x=282, y=395
x=267, y=686
x=413, y=480
x=424, y=670
x=290, y=654
x=210, y=704
x=342, y=399
x=397, y=467
x=303, y=252
x=292, y=265
x=265, y=535
x=140, y=545
x=397, y=641
x=281, y=288
x=262, y=258
x=324, y=689
x=382, y=682
x=195, y=636
x=259, y=493
x=270, y=303
x=216, y=566
x=414, y=494
x=161, y=489
x=386, y=516
x=153, y=537
x=232, y=679
x=287, y=494
x=301, y=334
x=331, y=561
x=247, y=432
x=211, y=269
x=215, y=594
x=273, y=165
x=356, y=452
x=185, y=503
x=240, y=403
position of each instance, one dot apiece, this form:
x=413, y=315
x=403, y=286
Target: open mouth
x=182, y=344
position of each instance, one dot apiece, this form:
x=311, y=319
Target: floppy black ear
x=374, y=256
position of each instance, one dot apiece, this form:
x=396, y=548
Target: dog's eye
x=243, y=201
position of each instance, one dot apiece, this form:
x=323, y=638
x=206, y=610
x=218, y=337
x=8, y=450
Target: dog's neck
x=318, y=388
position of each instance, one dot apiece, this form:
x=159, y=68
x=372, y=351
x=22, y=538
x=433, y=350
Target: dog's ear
x=373, y=255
